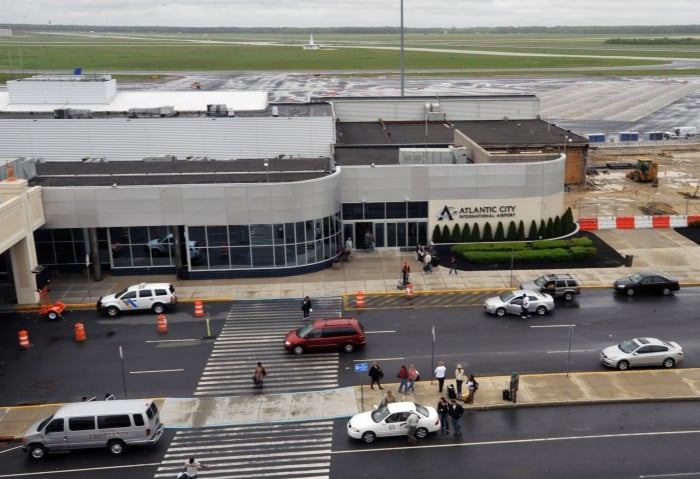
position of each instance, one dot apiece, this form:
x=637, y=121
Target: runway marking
x=70, y=471
x=171, y=340
x=526, y=441
x=572, y=351
x=157, y=371
x=554, y=326
x=381, y=332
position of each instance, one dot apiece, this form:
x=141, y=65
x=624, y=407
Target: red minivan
x=343, y=333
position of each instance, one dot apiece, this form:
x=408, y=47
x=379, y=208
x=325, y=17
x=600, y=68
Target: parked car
x=143, y=296
x=647, y=282
x=164, y=247
x=511, y=303
x=320, y=334
x=390, y=420
x=642, y=352
x=563, y=286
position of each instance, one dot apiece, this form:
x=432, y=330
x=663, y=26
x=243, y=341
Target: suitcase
x=451, y=393
x=465, y=395
x=506, y=395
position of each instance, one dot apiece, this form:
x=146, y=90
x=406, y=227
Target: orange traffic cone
x=24, y=340
x=162, y=324
x=198, y=308
x=360, y=299
x=80, y=332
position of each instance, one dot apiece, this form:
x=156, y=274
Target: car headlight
x=620, y=286
x=287, y=343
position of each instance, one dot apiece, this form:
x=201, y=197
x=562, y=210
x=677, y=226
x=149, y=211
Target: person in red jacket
x=403, y=376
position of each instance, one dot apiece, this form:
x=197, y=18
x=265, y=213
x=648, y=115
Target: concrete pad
x=178, y=413
x=549, y=388
x=15, y=421
x=274, y=407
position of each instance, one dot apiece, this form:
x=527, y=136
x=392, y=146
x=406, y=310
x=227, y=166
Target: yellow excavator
x=646, y=171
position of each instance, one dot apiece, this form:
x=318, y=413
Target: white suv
x=153, y=296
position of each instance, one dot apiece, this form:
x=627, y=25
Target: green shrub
x=476, y=234
x=488, y=234
x=460, y=248
x=520, y=233
x=466, y=234
x=499, y=235
x=532, y=233
x=445, y=235
x=436, y=234
x=580, y=253
x=541, y=231
x=456, y=236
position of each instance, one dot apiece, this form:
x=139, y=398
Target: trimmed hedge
x=576, y=249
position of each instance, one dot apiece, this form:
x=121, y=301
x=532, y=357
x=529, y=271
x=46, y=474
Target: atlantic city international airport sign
x=475, y=212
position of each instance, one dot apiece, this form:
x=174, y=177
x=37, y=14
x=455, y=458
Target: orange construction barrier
x=360, y=299
x=162, y=324
x=198, y=308
x=24, y=339
x=80, y=332
x=409, y=290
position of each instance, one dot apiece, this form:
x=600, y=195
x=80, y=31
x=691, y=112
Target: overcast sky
x=333, y=13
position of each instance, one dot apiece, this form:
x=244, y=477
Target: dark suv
x=345, y=334
x=557, y=285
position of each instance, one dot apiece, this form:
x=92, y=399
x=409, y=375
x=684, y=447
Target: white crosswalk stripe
x=254, y=331
x=281, y=450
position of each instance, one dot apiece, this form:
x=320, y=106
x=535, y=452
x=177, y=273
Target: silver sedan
x=511, y=302
x=642, y=352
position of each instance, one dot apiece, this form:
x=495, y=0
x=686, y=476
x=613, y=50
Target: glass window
x=352, y=211
x=240, y=257
x=280, y=259
x=279, y=233
x=396, y=210
x=261, y=234
x=263, y=256
x=216, y=236
x=55, y=426
x=300, y=230
x=138, y=420
x=417, y=209
x=117, y=420
x=238, y=235
x=81, y=423
x=374, y=211
x=291, y=255
x=289, y=233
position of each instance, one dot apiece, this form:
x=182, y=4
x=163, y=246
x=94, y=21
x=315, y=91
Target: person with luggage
x=412, y=421
x=524, y=308
x=376, y=374
x=405, y=272
x=456, y=410
x=472, y=387
x=459, y=379
x=440, y=372
x=443, y=410
x=306, y=307
x=513, y=386
x=403, y=377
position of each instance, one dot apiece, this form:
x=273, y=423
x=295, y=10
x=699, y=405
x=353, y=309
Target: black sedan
x=647, y=282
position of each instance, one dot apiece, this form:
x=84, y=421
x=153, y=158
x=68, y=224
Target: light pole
x=401, y=55
x=267, y=170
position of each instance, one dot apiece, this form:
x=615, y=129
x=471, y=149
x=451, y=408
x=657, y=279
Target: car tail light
x=148, y=432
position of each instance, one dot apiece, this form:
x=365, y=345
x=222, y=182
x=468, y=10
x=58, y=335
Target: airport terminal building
x=213, y=184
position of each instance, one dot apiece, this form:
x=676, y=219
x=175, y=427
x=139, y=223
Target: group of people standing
x=466, y=385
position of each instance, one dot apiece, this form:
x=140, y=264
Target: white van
x=91, y=424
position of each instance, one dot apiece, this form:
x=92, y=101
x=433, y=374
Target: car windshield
x=120, y=293
x=505, y=297
x=636, y=277
x=422, y=410
x=44, y=423
x=628, y=346
x=540, y=281
x=304, y=330
x=379, y=414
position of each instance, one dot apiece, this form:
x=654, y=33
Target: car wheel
x=37, y=452
x=158, y=308
x=500, y=312
x=298, y=350
x=669, y=363
x=348, y=347
x=421, y=433
x=568, y=296
x=541, y=310
x=369, y=437
x=666, y=291
x=113, y=311
x=630, y=292
x=52, y=315
x=623, y=365
x=116, y=447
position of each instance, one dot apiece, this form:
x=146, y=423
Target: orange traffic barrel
x=80, y=332
x=24, y=339
x=162, y=324
x=360, y=299
x=409, y=290
x=198, y=308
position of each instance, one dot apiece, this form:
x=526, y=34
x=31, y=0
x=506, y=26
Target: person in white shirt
x=524, y=313
x=192, y=466
x=440, y=372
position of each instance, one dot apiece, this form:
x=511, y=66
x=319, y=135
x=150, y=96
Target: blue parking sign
x=361, y=367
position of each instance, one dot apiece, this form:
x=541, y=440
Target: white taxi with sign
x=144, y=296
x=390, y=420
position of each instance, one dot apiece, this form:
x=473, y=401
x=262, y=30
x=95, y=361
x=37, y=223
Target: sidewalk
x=535, y=390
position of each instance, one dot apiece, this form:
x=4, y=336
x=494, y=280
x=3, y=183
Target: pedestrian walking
x=428, y=262
x=192, y=466
x=514, y=384
x=473, y=386
x=443, y=410
x=524, y=309
x=405, y=272
x=419, y=253
x=459, y=379
x=412, y=421
x=306, y=307
x=376, y=373
x=453, y=265
x=259, y=375
x=412, y=378
x=387, y=399
x=440, y=372
x=403, y=377
x=456, y=410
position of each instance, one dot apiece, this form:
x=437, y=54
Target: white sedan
x=512, y=301
x=390, y=420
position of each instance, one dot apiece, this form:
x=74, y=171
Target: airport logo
x=447, y=211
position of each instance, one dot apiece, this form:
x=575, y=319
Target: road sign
x=361, y=367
